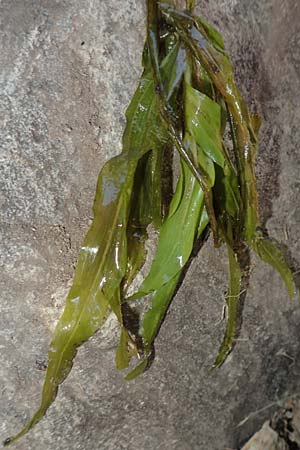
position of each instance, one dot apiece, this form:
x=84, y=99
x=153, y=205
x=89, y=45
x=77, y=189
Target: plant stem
x=190, y=5
x=165, y=109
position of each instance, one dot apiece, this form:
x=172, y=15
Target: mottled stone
x=266, y=439
x=68, y=69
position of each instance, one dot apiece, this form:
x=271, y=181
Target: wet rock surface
x=68, y=70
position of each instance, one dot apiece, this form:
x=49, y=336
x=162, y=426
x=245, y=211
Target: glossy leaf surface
x=185, y=99
x=203, y=121
x=160, y=301
x=177, y=233
x=102, y=262
x=218, y=66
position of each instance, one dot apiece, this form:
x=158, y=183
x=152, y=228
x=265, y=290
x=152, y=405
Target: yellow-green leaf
x=271, y=254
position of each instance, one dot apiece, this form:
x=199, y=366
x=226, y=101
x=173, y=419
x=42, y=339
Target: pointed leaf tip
x=270, y=253
x=232, y=300
x=138, y=370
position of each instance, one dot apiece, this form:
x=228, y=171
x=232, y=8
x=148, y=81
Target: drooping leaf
x=185, y=97
x=125, y=350
x=212, y=33
x=143, y=119
x=203, y=121
x=184, y=224
x=160, y=301
x=226, y=193
x=271, y=254
x=232, y=301
x=102, y=261
x=147, y=201
x=141, y=214
x=219, y=68
x=100, y=269
x=137, y=371
x=177, y=233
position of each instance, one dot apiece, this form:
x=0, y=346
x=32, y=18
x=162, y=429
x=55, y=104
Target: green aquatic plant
x=185, y=102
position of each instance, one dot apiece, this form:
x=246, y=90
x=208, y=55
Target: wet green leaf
x=140, y=216
x=232, y=300
x=185, y=98
x=160, y=301
x=177, y=233
x=269, y=252
x=100, y=269
x=137, y=371
x=226, y=193
x=126, y=350
x=203, y=122
x=159, y=304
x=102, y=262
x=219, y=68
x=212, y=33
x=187, y=219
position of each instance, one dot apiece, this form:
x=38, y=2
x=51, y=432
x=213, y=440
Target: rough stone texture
x=266, y=439
x=286, y=422
x=282, y=432
x=68, y=69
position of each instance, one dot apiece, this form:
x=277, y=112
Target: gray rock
x=68, y=69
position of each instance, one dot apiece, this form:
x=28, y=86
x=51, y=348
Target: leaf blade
x=177, y=234
x=272, y=255
x=103, y=257
x=203, y=121
x=232, y=300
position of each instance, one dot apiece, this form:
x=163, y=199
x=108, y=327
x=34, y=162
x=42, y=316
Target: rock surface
x=282, y=432
x=68, y=69
x=266, y=439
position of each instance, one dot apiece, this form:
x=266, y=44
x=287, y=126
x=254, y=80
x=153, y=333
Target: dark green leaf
x=219, y=68
x=160, y=301
x=232, y=300
x=226, y=192
x=125, y=351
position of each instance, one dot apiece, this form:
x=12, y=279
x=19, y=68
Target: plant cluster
x=186, y=102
